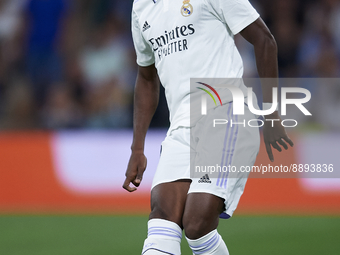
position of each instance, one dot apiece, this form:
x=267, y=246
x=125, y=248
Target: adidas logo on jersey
x=146, y=26
x=204, y=179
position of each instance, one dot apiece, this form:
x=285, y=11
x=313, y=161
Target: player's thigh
x=201, y=214
x=168, y=201
x=174, y=162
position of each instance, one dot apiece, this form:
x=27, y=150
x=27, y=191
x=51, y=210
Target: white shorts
x=211, y=156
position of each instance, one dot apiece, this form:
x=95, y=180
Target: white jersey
x=189, y=39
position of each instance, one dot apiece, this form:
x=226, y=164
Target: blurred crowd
x=71, y=63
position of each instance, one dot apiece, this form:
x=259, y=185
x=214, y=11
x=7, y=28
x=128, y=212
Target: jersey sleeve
x=144, y=52
x=236, y=14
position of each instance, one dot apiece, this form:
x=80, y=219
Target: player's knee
x=159, y=212
x=195, y=227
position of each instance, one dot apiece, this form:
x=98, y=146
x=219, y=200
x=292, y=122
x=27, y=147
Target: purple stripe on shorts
x=228, y=152
x=225, y=143
x=232, y=152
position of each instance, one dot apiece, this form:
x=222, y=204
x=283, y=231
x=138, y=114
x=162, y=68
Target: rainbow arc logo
x=204, y=100
x=209, y=93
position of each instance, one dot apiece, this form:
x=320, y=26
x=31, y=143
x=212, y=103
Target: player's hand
x=275, y=135
x=135, y=171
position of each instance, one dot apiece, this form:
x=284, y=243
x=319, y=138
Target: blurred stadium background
x=67, y=71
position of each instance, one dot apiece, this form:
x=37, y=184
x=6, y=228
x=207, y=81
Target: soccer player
x=177, y=40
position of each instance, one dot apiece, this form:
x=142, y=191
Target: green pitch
x=124, y=235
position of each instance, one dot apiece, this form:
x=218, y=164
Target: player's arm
x=146, y=98
x=265, y=48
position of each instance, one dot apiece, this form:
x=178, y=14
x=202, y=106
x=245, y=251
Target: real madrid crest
x=187, y=8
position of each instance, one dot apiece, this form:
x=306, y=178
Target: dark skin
x=198, y=213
